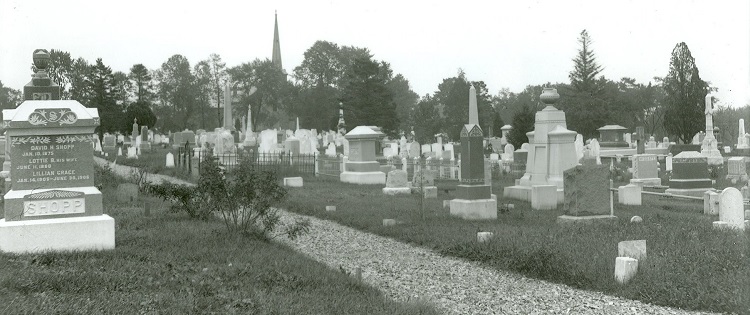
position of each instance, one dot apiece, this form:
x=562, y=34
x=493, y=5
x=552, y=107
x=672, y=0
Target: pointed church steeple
x=276, y=57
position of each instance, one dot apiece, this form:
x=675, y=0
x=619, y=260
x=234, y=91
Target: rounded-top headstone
x=636, y=219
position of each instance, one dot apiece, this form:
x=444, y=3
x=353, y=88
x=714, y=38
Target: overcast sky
x=507, y=44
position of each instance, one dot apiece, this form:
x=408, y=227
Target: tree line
x=178, y=96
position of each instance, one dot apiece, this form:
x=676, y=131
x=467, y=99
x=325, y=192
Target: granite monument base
x=92, y=202
x=692, y=192
x=363, y=178
x=59, y=234
x=478, y=209
x=646, y=181
x=520, y=192
x=397, y=190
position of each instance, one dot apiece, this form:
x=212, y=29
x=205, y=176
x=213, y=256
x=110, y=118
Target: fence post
x=315, y=161
x=453, y=168
x=459, y=169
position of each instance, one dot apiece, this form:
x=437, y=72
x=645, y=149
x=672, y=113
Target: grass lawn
x=166, y=263
x=689, y=264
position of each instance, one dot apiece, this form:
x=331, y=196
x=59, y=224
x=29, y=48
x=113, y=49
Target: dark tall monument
x=474, y=201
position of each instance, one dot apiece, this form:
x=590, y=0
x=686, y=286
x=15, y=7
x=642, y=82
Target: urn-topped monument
x=52, y=204
x=551, y=152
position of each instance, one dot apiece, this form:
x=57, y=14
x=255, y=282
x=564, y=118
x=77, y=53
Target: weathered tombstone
x=625, y=269
x=508, y=151
x=109, y=142
x=633, y=249
x=448, y=147
x=292, y=146
x=711, y=203
x=53, y=204
x=689, y=175
x=331, y=150
x=736, y=169
x=145, y=144
x=587, y=194
x=415, y=149
x=742, y=142
x=293, y=182
x=731, y=209
x=629, y=194
x=396, y=183
x=645, y=170
x=169, y=163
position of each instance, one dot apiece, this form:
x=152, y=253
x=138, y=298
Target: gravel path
x=456, y=286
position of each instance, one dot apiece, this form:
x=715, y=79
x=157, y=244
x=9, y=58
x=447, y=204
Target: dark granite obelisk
x=474, y=200
x=472, y=156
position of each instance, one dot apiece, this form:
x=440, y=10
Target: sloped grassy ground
x=166, y=263
x=689, y=265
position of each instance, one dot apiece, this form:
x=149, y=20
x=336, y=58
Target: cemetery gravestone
x=736, y=169
x=145, y=144
x=396, y=183
x=645, y=170
x=689, y=175
x=362, y=168
x=473, y=195
x=414, y=149
x=587, y=194
x=53, y=204
x=731, y=209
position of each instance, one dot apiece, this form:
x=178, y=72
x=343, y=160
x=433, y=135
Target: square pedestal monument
x=362, y=168
x=52, y=204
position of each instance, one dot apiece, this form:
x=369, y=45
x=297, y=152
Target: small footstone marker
x=625, y=269
x=446, y=204
x=330, y=208
x=389, y=222
x=483, y=237
x=633, y=249
x=636, y=219
x=511, y=206
x=293, y=181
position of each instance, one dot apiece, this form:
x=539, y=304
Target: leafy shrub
x=105, y=177
x=244, y=199
x=183, y=198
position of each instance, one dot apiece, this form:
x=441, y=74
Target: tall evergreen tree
x=585, y=68
x=685, y=95
x=585, y=103
x=103, y=97
x=141, y=83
